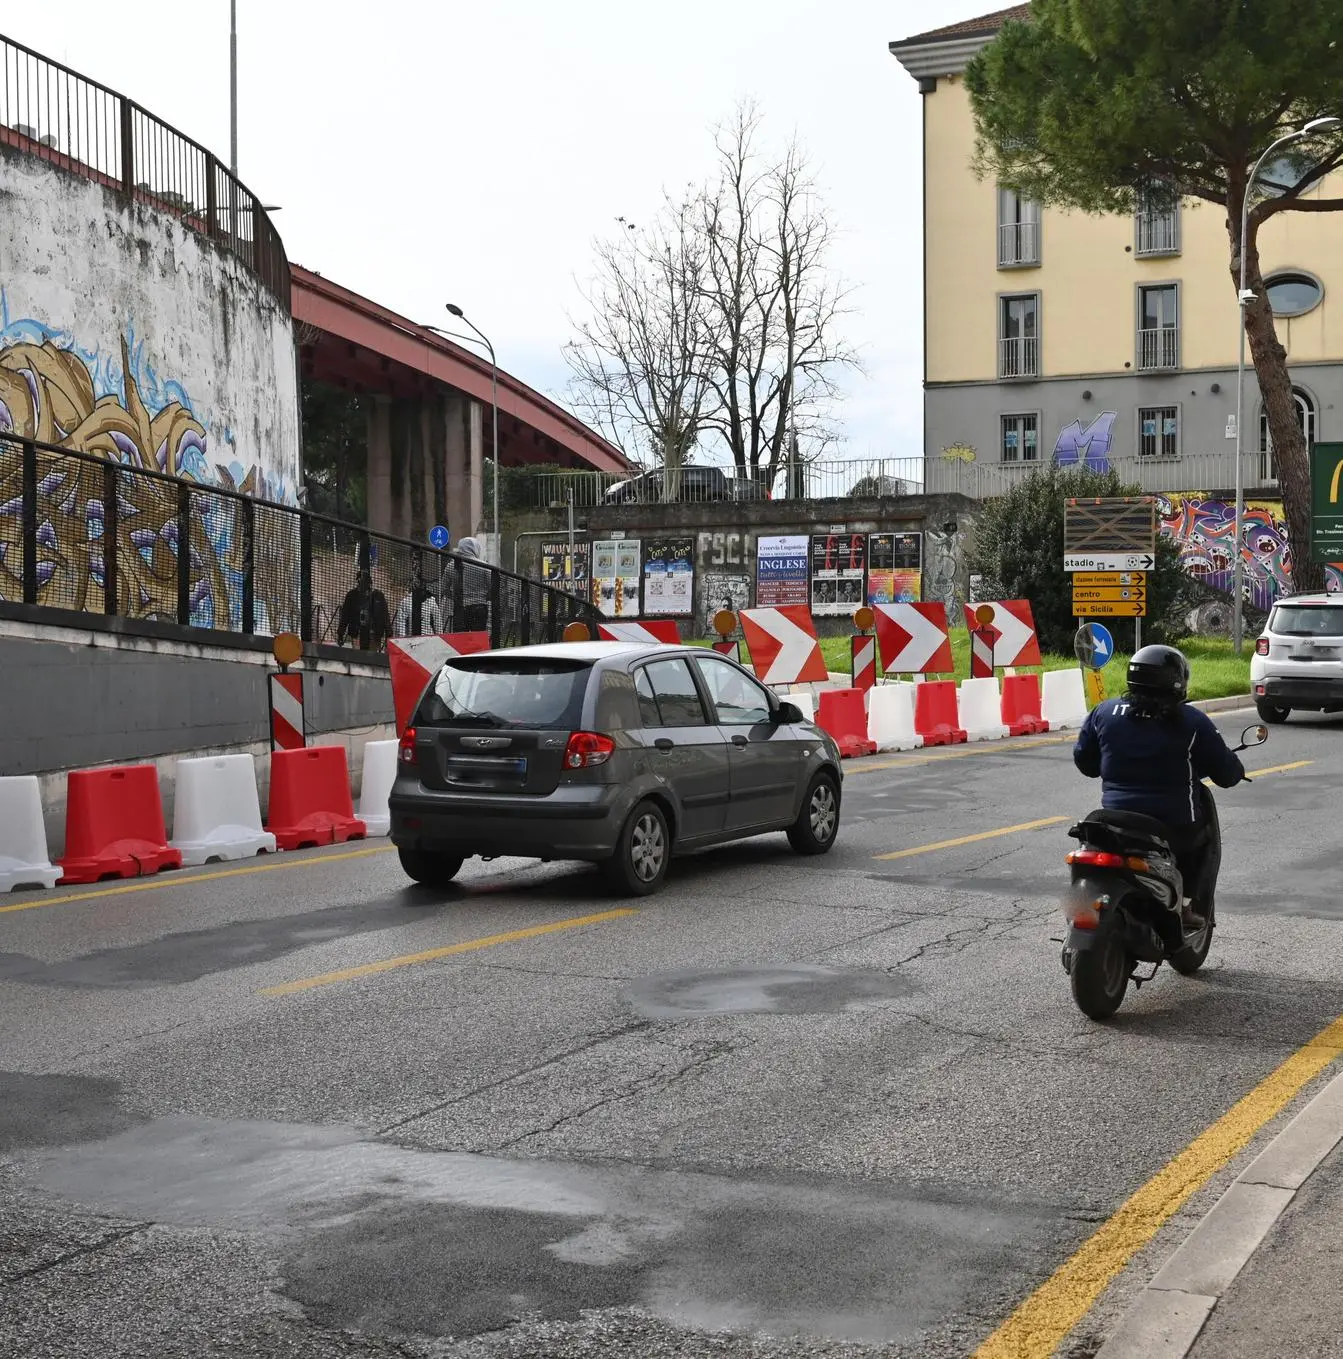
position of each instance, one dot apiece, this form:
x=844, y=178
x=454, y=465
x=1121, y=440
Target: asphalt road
x=789, y=1107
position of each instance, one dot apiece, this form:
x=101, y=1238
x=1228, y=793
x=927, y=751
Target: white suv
x=1298, y=661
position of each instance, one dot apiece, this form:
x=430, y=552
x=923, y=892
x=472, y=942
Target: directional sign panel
x=1093, y=580
x=1116, y=592
x=1109, y=561
x=1110, y=608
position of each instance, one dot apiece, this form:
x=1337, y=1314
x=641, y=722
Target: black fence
x=86, y=536
x=58, y=115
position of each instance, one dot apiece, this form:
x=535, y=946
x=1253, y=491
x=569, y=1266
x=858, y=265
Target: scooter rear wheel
x=1099, y=976
x=1194, y=954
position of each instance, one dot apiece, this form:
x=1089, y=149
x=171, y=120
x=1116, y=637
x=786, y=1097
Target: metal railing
x=1159, y=348
x=1018, y=243
x=1019, y=357
x=80, y=534
x=57, y=115
x=1157, y=233
x=848, y=479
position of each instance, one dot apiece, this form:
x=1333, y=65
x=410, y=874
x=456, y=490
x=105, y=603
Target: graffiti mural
x=1089, y=447
x=118, y=409
x=1205, y=531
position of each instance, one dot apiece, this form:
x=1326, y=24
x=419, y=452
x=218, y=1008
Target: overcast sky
x=426, y=152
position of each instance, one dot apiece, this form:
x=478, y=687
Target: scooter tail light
x=1082, y=913
x=1137, y=865
x=1096, y=858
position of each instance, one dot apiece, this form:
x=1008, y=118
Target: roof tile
x=968, y=28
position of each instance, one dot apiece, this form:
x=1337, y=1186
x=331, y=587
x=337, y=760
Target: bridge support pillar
x=408, y=454
x=465, y=466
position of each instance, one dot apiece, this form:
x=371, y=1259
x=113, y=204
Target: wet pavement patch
x=58, y=1111
x=192, y=954
x=448, y=1269
x=798, y=989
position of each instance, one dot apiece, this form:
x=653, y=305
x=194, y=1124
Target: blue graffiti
x=1090, y=446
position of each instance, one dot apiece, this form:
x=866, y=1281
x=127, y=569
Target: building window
x=1293, y=293
x=1018, y=230
x=1019, y=336
x=1156, y=226
x=1159, y=327
x=1305, y=418
x=1021, y=438
x=1158, y=431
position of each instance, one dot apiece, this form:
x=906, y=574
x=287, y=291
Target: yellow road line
x=972, y=839
x=177, y=879
x=1037, y=1327
x=1278, y=768
x=432, y=954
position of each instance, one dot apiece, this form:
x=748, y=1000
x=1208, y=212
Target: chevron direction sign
x=783, y=646
x=913, y=638
x=1016, y=644
x=414, y=661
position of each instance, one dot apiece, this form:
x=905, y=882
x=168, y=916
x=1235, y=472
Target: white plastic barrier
x=980, y=706
x=890, y=718
x=379, y=775
x=216, y=810
x=23, y=837
x=804, y=700
x=1063, y=701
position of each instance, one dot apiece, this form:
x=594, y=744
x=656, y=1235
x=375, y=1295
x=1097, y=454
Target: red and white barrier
x=287, y=730
x=783, y=645
x=216, y=810
x=937, y=713
x=310, y=801
x=1063, y=702
x=24, y=861
x=375, y=787
x=890, y=718
x=1016, y=643
x=114, y=824
x=863, y=651
x=979, y=708
x=1022, y=706
x=844, y=715
x=414, y=661
x=655, y=630
x=913, y=638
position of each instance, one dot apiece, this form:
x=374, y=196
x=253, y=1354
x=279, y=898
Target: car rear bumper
x=571, y=823
x=1300, y=691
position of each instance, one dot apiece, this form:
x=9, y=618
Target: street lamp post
x=233, y=87
x=1243, y=298
x=456, y=311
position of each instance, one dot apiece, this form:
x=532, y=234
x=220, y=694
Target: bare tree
x=774, y=299
x=641, y=362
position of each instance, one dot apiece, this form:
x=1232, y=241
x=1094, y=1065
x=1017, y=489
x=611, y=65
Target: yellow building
x=1053, y=334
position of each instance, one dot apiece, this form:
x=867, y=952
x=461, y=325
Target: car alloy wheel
x=648, y=847
x=823, y=812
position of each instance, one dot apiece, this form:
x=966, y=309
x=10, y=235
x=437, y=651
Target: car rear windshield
x=1308, y=620
x=491, y=692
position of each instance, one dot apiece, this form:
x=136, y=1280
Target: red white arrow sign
x=659, y=630
x=913, y=638
x=783, y=645
x=1017, y=643
x=414, y=661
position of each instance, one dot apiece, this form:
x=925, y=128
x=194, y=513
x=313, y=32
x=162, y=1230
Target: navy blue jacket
x=1152, y=764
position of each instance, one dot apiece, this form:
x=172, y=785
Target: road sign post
x=1326, y=503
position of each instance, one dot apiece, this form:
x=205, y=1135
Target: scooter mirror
x=1254, y=736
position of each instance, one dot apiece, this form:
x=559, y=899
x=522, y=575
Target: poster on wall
x=722, y=590
x=894, y=568
x=669, y=576
x=781, y=570
x=837, y=575
x=615, y=576
x=561, y=573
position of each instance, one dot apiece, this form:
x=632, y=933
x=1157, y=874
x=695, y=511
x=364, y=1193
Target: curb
x=1224, y=705
x=1167, y=1317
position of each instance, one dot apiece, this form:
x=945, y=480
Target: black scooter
x=1124, y=904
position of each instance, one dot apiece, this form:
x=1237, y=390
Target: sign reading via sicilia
x=1326, y=502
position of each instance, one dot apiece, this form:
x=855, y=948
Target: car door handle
x=739, y=740
x=663, y=743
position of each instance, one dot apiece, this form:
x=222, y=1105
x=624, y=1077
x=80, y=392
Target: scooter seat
x=1132, y=825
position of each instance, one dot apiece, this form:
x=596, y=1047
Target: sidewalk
x=1259, y=1277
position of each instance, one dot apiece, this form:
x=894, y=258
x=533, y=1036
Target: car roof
x=584, y=651
x=1318, y=597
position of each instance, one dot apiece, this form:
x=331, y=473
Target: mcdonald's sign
x=1326, y=502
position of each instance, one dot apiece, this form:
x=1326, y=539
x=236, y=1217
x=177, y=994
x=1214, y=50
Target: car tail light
x=588, y=748
x=406, y=750
x=1096, y=858
x=1261, y=646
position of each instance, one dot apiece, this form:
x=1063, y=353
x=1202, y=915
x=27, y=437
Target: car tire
x=817, y=823
x=430, y=869
x=1273, y=713
x=638, y=868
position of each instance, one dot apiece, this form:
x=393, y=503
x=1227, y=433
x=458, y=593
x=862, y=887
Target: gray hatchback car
x=618, y=753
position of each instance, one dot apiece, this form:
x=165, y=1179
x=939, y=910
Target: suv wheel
x=639, y=865
x=1271, y=712
x=817, y=824
x=430, y=869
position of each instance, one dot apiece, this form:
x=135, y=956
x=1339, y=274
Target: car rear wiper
x=469, y=719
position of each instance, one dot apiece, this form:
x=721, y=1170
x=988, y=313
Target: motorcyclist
x=1151, y=752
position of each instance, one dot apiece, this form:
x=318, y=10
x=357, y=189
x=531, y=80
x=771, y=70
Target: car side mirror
x=787, y=714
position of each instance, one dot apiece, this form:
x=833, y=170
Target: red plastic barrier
x=936, y=715
x=114, y=825
x=1021, y=705
x=843, y=713
x=310, y=801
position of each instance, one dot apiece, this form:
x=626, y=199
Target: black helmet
x=1159, y=672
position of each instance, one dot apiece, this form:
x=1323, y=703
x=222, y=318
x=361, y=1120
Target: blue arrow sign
x=1102, y=644
x=439, y=537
